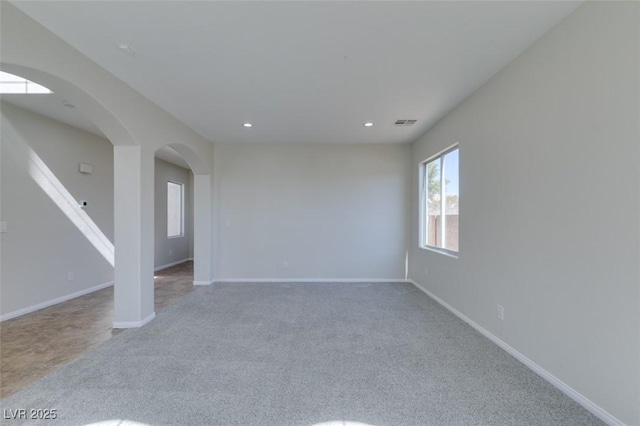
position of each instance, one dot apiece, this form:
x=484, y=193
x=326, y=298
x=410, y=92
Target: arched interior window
x=12, y=84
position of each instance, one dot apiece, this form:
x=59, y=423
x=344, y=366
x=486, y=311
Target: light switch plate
x=86, y=168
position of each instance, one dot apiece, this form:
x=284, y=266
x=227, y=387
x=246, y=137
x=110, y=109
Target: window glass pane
x=452, y=195
x=13, y=87
x=440, y=197
x=433, y=203
x=424, y=217
x=10, y=84
x=174, y=209
x=5, y=76
x=36, y=88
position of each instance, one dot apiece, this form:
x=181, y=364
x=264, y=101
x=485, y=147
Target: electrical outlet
x=71, y=276
x=285, y=264
x=4, y=227
x=170, y=252
x=500, y=312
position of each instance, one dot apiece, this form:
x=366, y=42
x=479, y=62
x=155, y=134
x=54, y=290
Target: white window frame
x=181, y=185
x=423, y=238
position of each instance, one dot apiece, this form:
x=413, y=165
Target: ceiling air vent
x=405, y=123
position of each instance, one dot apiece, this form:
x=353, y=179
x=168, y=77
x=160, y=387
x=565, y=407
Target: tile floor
x=33, y=345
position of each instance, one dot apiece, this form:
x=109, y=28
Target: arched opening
x=58, y=149
x=135, y=127
x=132, y=255
x=173, y=227
x=58, y=208
x=182, y=212
x=133, y=288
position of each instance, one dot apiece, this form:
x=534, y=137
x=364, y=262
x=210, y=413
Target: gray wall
x=330, y=211
x=171, y=250
x=42, y=244
x=549, y=208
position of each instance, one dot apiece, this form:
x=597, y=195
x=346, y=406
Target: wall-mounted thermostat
x=86, y=168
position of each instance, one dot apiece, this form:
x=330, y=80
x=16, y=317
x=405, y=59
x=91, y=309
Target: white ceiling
x=302, y=72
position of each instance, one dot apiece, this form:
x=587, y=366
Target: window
x=12, y=84
x=175, y=209
x=440, y=200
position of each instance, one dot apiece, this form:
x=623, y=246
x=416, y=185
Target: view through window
x=441, y=198
x=175, y=199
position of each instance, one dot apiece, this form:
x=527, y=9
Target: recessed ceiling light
x=126, y=49
x=248, y=125
x=368, y=124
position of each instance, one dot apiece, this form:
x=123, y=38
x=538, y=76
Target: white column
x=202, y=232
x=133, y=223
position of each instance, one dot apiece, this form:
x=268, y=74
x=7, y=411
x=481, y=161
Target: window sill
x=448, y=253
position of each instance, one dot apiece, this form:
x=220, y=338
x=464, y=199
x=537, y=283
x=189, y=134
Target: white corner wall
x=549, y=209
x=192, y=217
x=42, y=245
x=328, y=211
x=169, y=251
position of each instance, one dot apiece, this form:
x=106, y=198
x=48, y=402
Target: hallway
x=34, y=345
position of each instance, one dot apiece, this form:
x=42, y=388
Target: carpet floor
x=300, y=354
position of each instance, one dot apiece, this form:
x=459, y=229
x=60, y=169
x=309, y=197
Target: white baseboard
x=169, y=265
x=204, y=282
x=134, y=324
x=310, y=280
x=52, y=302
x=566, y=389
